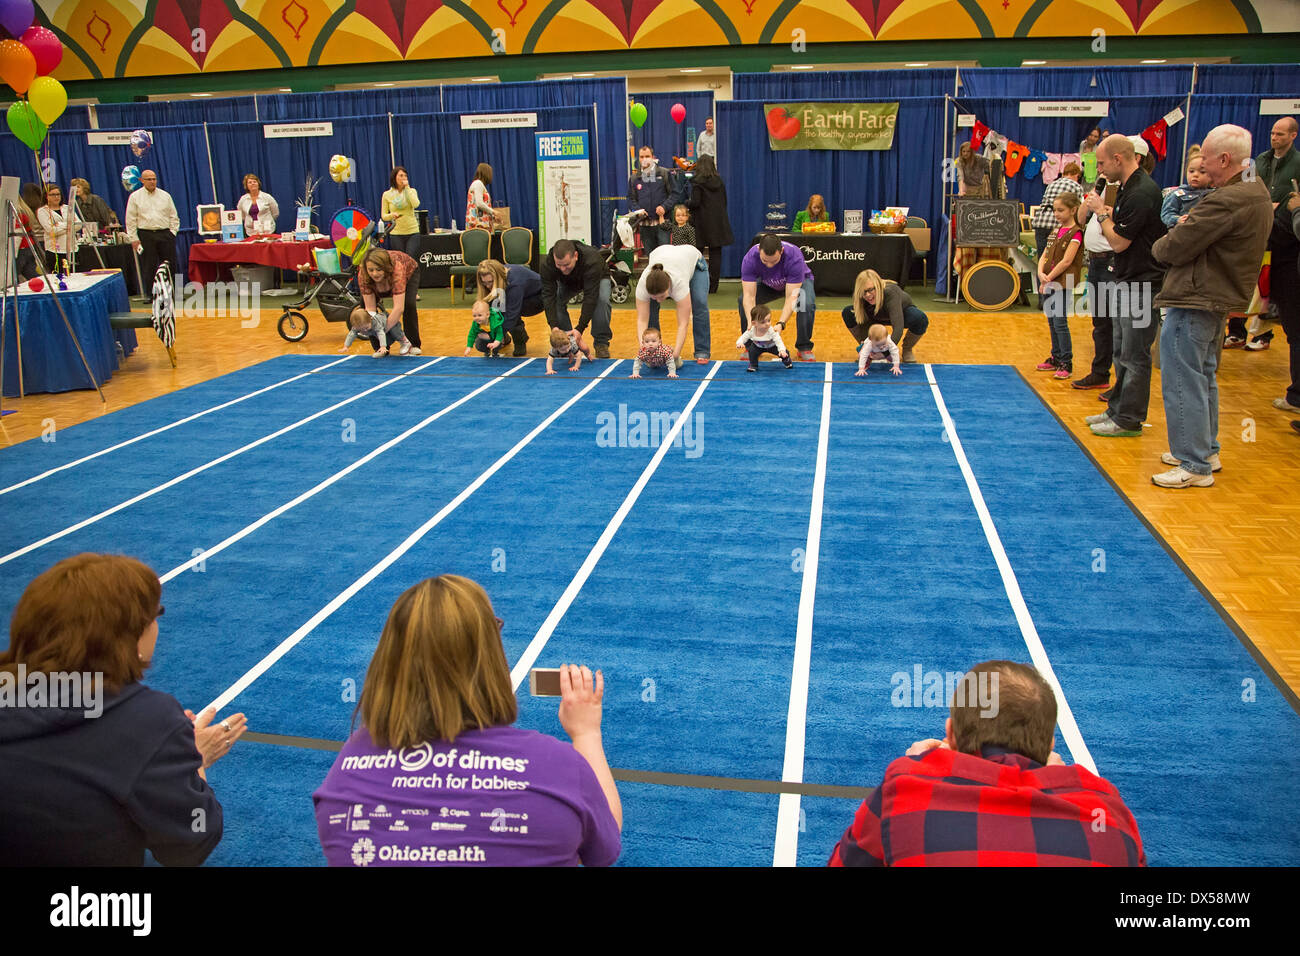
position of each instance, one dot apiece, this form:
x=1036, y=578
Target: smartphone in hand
x=544, y=682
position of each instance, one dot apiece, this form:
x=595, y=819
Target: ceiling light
x=481, y=79
x=1033, y=63
x=801, y=67
x=584, y=74
x=383, y=84
x=692, y=69
x=200, y=94
x=916, y=64
x=1155, y=61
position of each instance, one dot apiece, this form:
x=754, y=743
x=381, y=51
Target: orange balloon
x=17, y=65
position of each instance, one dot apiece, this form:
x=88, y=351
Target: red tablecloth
x=210, y=260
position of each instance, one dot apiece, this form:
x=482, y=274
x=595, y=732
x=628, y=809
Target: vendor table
x=115, y=256
x=211, y=261
x=50, y=361
x=836, y=258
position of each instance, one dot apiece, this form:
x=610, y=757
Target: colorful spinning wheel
x=350, y=228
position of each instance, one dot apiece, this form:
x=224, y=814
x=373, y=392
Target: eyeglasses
x=500, y=624
x=161, y=611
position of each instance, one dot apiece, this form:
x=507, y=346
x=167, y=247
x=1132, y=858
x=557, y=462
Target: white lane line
x=787, y=813
x=261, y=667
x=159, y=431
x=1064, y=716
x=337, y=476
x=204, y=467
x=535, y=646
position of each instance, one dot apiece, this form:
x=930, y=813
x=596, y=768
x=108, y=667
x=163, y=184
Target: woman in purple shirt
x=437, y=774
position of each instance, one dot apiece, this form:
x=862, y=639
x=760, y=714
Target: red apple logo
x=781, y=124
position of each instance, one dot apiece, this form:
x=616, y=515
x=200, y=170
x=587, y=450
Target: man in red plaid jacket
x=992, y=792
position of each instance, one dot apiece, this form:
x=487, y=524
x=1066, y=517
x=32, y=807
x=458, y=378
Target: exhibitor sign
x=831, y=125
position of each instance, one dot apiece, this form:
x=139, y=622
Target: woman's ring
x=225, y=726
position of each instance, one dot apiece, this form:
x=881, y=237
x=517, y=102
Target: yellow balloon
x=340, y=167
x=48, y=98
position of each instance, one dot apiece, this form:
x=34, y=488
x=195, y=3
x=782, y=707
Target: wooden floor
x=1241, y=538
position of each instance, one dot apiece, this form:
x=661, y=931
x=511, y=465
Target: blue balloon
x=130, y=178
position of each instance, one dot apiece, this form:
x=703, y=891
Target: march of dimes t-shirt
x=495, y=797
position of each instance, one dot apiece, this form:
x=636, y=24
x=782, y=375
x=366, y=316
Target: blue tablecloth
x=50, y=360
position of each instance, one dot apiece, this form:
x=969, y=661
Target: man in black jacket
x=569, y=268
x=653, y=189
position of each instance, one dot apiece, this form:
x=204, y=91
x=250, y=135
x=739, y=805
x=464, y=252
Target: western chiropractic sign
x=831, y=125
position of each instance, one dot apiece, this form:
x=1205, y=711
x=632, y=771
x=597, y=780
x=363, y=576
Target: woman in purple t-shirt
x=437, y=774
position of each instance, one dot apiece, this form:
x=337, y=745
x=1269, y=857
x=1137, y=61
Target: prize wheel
x=990, y=285
x=348, y=229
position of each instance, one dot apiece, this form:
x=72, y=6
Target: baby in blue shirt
x=1180, y=201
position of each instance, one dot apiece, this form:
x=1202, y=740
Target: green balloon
x=638, y=114
x=25, y=124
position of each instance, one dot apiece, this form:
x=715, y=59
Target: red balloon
x=46, y=48
x=679, y=112
x=36, y=284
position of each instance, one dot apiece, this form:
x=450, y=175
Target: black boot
x=521, y=341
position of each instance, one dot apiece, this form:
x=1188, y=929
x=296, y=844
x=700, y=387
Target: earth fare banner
x=831, y=125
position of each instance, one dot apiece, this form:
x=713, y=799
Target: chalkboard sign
x=988, y=222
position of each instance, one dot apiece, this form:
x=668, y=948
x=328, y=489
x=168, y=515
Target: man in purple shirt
x=773, y=269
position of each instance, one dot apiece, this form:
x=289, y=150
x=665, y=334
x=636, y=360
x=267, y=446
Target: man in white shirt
x=151, y=226
x=705, y=145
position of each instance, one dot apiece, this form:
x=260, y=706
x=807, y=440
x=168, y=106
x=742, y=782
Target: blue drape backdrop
x=667, y=138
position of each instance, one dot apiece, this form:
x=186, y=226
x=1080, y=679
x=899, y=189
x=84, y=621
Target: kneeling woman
x=437, y=747
x=875, y=300
x=515, y=291
x=384, y=273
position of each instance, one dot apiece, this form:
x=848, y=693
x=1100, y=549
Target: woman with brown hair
x=816, y=212
x=478, y=204
x=258, y=209
x=95, y=767
x=383, y=273
x=436, y=746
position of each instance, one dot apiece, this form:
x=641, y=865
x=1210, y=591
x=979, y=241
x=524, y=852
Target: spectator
x=111, y=768
x=1043, y=221
x=1089, y=143
x=92, y=207
x=382, y=273
x=1213, y=260
x=1284, y=289
x=399, y=204
x=151, y=225
x=712, y=226
x=1130, y=228
x=654, y=190
x=569, y=268
x=875, y=300
x=706, y=145
x=478, y=203
x=774, y=269
x=973, y=177
x=992, y=792
x=815, y=212
x=259, y=209
x=438, y=694
x=1276, y=167
x=517, y=292
x=59, y=225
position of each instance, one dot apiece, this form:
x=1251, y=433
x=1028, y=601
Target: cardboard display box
x=920, y=237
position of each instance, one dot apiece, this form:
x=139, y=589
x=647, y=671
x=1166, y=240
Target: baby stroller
x=619, y=256
x=334, y=292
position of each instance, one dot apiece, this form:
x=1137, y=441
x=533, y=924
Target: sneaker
x=1169, y=459
x=521, y=346
x=785, y=360
x=807, y=356
x=701, y=360
x=908, y=357
x=1091, y=381
x=405, y=349
x=1233, y=342
x=1063, y=372
x=1182, y=478
x=1282, y=405
x=1047, y=365
x=415, y=350
x=1099, y=418
x=602, y=350
x=1260, y=342
x=1105, y=396
x=1108, y=429
x=752, y=368
x=1296, y=424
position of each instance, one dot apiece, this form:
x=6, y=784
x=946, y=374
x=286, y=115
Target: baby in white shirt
x=762, y=336
x=878, y=345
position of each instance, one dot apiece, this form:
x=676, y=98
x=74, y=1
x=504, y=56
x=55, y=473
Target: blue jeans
x=652, y=237
x=1134, y=330
x=803, y=318
x=700, y=331
x=1189, y=360
x=1056, y=306
x=564, y=291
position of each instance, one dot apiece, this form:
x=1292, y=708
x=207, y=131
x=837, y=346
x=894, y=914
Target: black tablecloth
x=440, y=251
x=116, y=256
x=836, y=259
